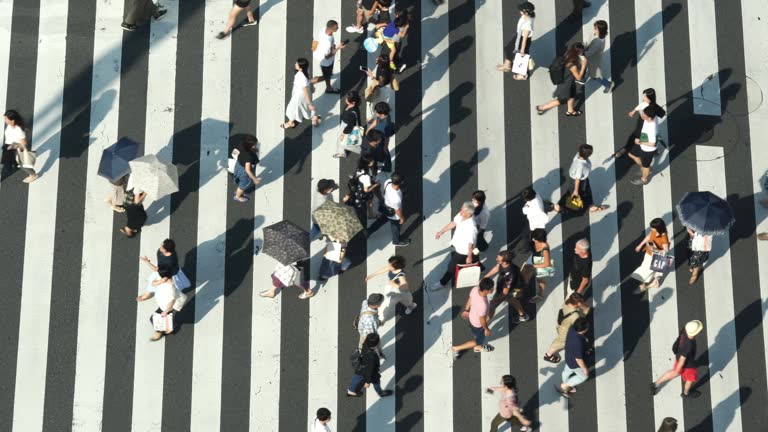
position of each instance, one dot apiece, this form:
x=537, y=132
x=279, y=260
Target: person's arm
x=492, y=272
x=335, y=49
x=484, y=324
x=665, y=248
x=308, y=98
x=139, y=198
x=20, y=145
x=371, y=124
x=583, y=284
x=690, y=232
x=148, y=263
x=576, y=184
x=159, y=281
x=545, y=259
x=249, y=171
x=578, y=71
x=467, y=307
x=146, y=296
x=642, y=243
x=446, y=228
x=168, y=308
x=404, y=31
x=399, y=213
x=376, y=273
x=679, y=365
x=470, y=248
x=524, y=40
x=582, y=365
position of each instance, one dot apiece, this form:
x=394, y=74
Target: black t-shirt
x=687, y=349
x=172, y=262
x=575, y=347
x=508, y=277
x=350, y=118
x=582, y=268
x=246, y=156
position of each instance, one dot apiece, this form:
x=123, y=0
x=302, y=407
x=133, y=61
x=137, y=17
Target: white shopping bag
x=467, y=275
x=520, y=64
x=162, y=324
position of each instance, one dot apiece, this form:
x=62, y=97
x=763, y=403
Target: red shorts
x=689, y=374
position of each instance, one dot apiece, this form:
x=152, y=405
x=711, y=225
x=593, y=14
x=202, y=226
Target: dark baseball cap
x=375, y=299
x=325, y=184
x=527, y=7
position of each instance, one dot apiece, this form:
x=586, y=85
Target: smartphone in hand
x=363, y=69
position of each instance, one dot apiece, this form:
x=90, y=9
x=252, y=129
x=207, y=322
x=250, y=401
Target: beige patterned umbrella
x=337, y=221
x=153, y=176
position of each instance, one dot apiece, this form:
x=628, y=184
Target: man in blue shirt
x=575, y=371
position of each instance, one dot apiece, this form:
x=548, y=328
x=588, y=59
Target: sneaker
x=610, y=87
x=403, y=243
x=485, y=348
x=654, y=389
x=519, y=319
x=638, y=181
x=410, y=308
x=351, y=29
x=128, y=27
x=457, y=355
x=160, y=13
x=223, y=35
x=250, y=23
x=693, y=394
x=437, y=286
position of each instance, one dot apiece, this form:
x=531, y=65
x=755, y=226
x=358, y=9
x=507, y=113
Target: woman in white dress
x=16, y=144
x=300, y=106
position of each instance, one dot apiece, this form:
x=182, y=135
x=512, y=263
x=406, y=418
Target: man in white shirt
x=322, y=418
x=463, y=242
x=392, y=211
x=325, y=53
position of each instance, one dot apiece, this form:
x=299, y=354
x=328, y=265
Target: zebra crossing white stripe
x=322, y=387
x=755, y=59
x=211, y=226
x=41, y=221
x=705, y=78
x=149, y=365
x=491, y=161
x=97, y=230
x=438, y=334
x=606, y=286
x=662, y=302
x=718, y=300
x=546, y=182
x=268, y=199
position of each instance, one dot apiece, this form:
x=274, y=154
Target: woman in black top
x=244, y=177
x=572, y=85
x=367, y=371
x=383, y=76
x=166, y=257
x=134, y=212
x=350, y=120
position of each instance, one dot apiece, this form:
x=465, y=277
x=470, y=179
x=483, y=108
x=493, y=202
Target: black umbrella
x=286, y=242
x=115, y=158
x=705, y=213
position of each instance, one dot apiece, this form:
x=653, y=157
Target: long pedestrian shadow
x=725, y=410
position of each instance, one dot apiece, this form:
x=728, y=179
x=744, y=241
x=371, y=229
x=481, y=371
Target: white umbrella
x=153, y=176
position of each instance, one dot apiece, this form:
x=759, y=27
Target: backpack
x=358, y=198
x=355, y=359
x=557, y=71
x=561, y=316
x=356, y=320
x=676, y=344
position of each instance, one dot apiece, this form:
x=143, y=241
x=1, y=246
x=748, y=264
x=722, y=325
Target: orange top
x=658, y=241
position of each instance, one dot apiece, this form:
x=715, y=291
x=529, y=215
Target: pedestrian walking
x=16, y=148
x=647, y=98
x=580, y=273
x=481, y=216
x=325, y=52
x=247, y=159
x=575, y=370
x=523, y=37
x=541, y=261
x=286, y=275
x=579, y=193
x=167, y=257
x=397, y=289
x=669, y=424
x=534, y=210
x=508, y=285
x=382, y=122
x=656, y=242
x=140, y=10
x=476, y=312
x=699, y=246
x=374, y=147
x=389, y=33
x=684, y=349
x=594, y=55
x=381, y=77
x=462, y=243
x=361, y=189
x=365, y=10
x=323, y=193
x=322, y=418
x=571, y=86
x=392, y=210
x=135, y=214
x=351, y=136
x=367, y=373
x=368, y=321
x=509, y=406
x=644, y=150
x=166, y=296
x=573, y=309
x=237, y=8
x=116, y=198
x=334, y=260
x=300, y=106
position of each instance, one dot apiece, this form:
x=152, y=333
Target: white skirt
x=644, y=272
x=298, y=109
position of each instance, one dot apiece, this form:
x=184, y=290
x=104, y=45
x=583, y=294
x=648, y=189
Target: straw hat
x=692, y=328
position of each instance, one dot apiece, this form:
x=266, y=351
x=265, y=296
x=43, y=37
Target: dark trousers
x=394, y=226
x=140, y=10
x=450, y=272
x=499, y=420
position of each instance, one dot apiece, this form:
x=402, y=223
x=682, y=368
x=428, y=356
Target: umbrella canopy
x=337, y=221
x=115, y=158
x=705, y=213
x=153, y=176
x=286, y=242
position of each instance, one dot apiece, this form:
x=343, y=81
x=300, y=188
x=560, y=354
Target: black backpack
x=358, y=198
x=557, y=71
x=676, y=344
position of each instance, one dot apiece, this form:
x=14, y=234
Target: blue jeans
x=357, y=384
x=314, y=231
x=573, y=377
x=394, y=226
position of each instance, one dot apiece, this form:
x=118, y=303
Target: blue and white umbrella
x=705, y=213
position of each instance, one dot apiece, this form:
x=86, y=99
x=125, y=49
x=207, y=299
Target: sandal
x=484, y=348
x=562, y=392
x=554, y=358
x=241, y=199
x=539, y=111
x=265, y=294
x=573, y=113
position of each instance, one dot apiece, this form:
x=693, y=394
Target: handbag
x=354, y=138
x=181, y=280
x=661, y=263
x=544, y=271
x=232, y=161
x=574, y=202
x=26, y=158
x=520, y=64
x=162, y=324
x=467, y=275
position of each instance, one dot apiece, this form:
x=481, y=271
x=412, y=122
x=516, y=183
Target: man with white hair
x=463, y=242
x=580, y=274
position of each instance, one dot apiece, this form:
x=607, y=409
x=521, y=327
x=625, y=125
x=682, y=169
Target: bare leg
x=549, y=105
x=233, y=13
